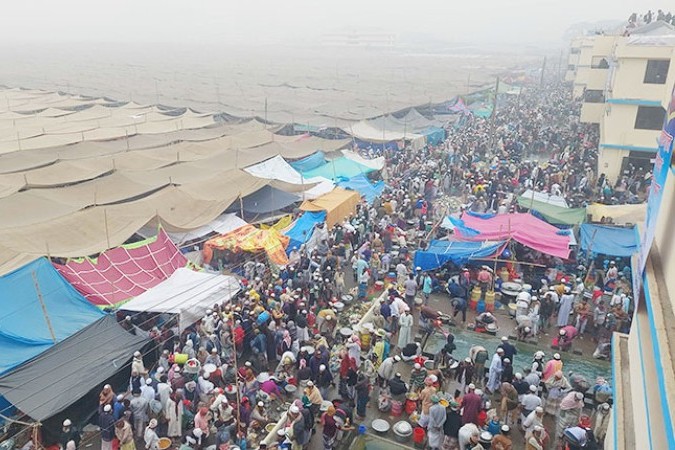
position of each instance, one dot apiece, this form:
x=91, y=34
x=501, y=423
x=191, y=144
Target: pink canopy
x=523, y=228
x=124, y=272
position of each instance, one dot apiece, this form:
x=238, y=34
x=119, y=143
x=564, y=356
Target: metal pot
x=402, y=431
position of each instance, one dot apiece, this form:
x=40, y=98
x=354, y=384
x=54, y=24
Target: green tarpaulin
x=554, y=214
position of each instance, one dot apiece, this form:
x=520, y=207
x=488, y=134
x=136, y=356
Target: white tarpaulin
x=223, y=224
x=278, y=169
x=186, y=293
x=545, y=197
x=375, y=163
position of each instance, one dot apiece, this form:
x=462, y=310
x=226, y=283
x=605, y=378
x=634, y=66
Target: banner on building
x=659, y=176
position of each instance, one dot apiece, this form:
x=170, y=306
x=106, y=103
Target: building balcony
x=596, y=78
x=592, y=112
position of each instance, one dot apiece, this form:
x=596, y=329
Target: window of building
x=571, y=67
x=657, y=71
x=594, y=96
x=649, y=118
x=575, y=51
x=599, y=62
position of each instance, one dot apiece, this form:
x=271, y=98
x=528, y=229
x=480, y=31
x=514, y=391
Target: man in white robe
x=495, y=371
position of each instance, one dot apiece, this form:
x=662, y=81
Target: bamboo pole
x=43, y=306
x=508, y=261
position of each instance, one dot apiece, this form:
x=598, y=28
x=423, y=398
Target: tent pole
x=107, y=233
x=508, y=261
x=44, y=307
x=241, y=206
x=590, y=253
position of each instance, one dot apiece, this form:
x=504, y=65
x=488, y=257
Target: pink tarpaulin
x=121, y=273
x=523, y=228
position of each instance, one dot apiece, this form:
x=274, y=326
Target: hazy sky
x=257, y=21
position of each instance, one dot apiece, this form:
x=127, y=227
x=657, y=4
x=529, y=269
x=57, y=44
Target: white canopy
x=545, y=197
x=186, y=293
x=278, y=169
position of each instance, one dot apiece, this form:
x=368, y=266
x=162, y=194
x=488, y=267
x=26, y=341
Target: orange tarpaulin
x=338, y=204
x=250, y=239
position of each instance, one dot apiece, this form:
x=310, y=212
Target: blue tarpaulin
x=363, y=186
x=459, y=252
x=25, y=321
x=310, y=162
x=608, y=240
x=338, y=168
x=303, y=227
x=434, y=135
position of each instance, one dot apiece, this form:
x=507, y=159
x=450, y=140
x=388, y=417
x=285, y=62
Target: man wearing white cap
x=529, y=402
x=69, y=433
x=106, y=423
x=147, y=390
x=495, y=371
x=503, y=440
x=137, y=364
x=386, y=371
x=405, y=322
x=150, y=436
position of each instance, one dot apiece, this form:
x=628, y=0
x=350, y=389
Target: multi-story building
x=623, y=80
x=643, y=361
x=573, y=59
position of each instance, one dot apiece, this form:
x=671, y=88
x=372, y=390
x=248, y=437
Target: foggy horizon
x=301, y=22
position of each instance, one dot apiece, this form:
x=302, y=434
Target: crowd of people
x=287, y=338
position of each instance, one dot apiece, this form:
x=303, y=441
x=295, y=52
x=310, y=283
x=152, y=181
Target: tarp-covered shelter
x=250, y=239
x=521, y=227
x=300, y=231
x=309, y=162
x=186, y=293
x=36, y=301
x=553, y=213
x=440, y=252
x=124, y=272
x=543, y=197
x=362, y=185
x=222, y=224
x=278, y=169
x=609, y=240
x=267, y=200
x=338, y=204
x=335, y=169
x=434, y=135
x=70, y=369
x=620, y=214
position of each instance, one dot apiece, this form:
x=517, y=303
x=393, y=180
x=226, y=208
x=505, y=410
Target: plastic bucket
x=180, y=358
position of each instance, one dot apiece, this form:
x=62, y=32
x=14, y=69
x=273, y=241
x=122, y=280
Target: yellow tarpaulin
x=281, y=224
x=250, y=239
x=338, y=204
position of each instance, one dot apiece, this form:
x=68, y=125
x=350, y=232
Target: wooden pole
x=543, y=69
x=105, y=221
x=508, y=261
x=43, y=306
x=590, y=255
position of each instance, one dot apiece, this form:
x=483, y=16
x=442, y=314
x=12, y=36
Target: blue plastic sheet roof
x=363, y=186
x=309, y=162
x=608, y=240
x=440, y=252
x=24, y=330
x=303, y=227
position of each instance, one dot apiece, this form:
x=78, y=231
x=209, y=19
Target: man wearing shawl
x=556, y=386
x=570, y=411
